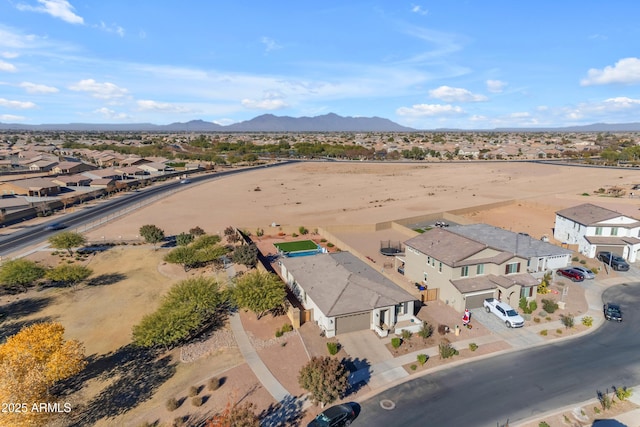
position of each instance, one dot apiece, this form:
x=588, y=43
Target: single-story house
x=464, y=272
x=344, y=294
x=39, y=187
x=594, y=229
x=67, y=167
x=102, y=183
x=155, y=167
x=42, y=165
x=102, y=173
x=77, y=180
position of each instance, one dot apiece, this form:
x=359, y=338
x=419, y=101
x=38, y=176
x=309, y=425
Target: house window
x=428, y=260
x=424, y=279
x=480, y=269
x=464, y=272
x=514, y=267
x=598, y=231
x=526, y=292
x=440, y=267
x=614, y=231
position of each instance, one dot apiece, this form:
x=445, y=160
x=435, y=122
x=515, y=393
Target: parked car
x=339, y=415
x=571, y=273
x=55, y=226
x=185, y=181
x=504, y=312
x=615, y=261
x=612, y=312
x=588, y=274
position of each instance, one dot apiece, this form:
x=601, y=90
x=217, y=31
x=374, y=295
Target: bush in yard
x=278, y=333
x=473, y=346
x=396, y=342
x=172, y=404
x=287, y=327
x=197, y=401
x=544, y=332
x=194, y=391
x=302, y=230
x=406, y=334
x=623, y=393
x=549, y=305
x=559, y=331
x=413, y=367
x=567, y=320
x=543, y=424
x=422, y=359
x=446, y=350
x=587, y=321
x=333, y=348
x=325, y=378
x=426, y=331
x=213, y=384
x=605, y=400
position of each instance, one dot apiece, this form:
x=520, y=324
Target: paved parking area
x=518, y=337
x=365, y=346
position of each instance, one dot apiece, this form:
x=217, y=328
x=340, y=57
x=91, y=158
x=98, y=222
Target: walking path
x=388, y=373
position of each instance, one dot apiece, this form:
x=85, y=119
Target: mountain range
x=326, y=123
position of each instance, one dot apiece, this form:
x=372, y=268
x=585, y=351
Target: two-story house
x=594, y=229
x=465, y=271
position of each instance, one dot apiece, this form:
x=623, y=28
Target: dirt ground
x=311, y=194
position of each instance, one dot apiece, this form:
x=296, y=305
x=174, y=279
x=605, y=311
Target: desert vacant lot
x=311, y=195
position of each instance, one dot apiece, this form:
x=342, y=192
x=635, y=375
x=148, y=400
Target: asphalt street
x=515, y=386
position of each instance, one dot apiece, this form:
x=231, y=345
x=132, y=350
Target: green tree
x=183, y=239
x=205, y=241
x=67, y=240
x=259, y=292
x=186, y=256
x=246, y=255
x=69, y=274
x=325, y=378
x=19, y=273
x=187, y=309
x=152, y=234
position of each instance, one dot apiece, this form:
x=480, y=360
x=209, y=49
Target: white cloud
x=61, y=9
x=419, y=110
x=110, y=114
x=519, y=115
x=622, y=102
x=36, y=88
x=264, y=104
x=11, y=118
x=99, y=90
x=419, y=10
x=149, y=105
x=113, y=28
x=9, y=55
x=5, y=66
x=625, y=71
x=18, y=105
x=455, y=94
x=495, y=86
x=269, y=44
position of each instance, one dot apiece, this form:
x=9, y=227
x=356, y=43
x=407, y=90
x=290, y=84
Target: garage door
x=476, y=301
x=353, y=322
x=618, y=250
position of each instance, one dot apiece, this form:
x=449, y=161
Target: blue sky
x=467, y=64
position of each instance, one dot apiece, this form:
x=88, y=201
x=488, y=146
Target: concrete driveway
x=517, y=337
x=366, y=345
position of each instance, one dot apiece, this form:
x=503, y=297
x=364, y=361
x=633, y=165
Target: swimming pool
x=302, y=253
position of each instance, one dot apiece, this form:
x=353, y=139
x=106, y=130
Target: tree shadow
x=135, y=374
x=359, y=373
x=10, y=328
x=23, y=307
x=106, y=279
x=287, y=412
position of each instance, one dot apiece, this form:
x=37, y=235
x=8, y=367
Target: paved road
x=522, y=384
x=31, y=235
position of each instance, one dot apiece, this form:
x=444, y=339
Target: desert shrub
x=605, y=400
x=548, y=318
x=294, y=234
x=574, y=259
x=473, y=346
x=587, y=321
x=536, y=319
x=426, y=331
x=330, y=245
x=197, y=400
x=549, y=305
x=172, y=404
x=544, y=332
x=559, y=331
x=278, y=333
x=193, y=391
x=533, y=306
x=623, y=393
x=446, y=350
x=302, y=230
x=287, y=327
x=413, y=367
x=406, y=334
x=396, y=342
x=323, y=240
x=333, y=348
x=543, y=424
x=213, y=384
x=583, y=262
x=596, y=409
x=422, y=359
x=567, y=320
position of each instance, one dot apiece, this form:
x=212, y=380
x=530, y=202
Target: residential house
x=344, y=294
x=464, y=272
x=102, y=173
x=156, y=168
x=67, y=167
x=42, y=165
x=128, y=172
x=594, y=229
x=134, y=161
x=38, y=187
x=106, y=183
x=77, y=180
x=541, y=256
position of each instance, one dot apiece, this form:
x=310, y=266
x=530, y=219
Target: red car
x=571, y=273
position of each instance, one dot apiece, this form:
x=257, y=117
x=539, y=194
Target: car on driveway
x=571, y=273
x=615, y=261
x=55, y=226
x=588, y=274
x=335, y=416
x=612, y=312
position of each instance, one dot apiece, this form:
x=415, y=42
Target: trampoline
x=389, y=248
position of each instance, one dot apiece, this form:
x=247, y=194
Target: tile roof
x=445, y=246
x=589, y=214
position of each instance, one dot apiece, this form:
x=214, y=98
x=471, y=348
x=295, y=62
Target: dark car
x=615, y=261
x=55, y=226
x=612, y=312
x=339, y=415
x=571, y=273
